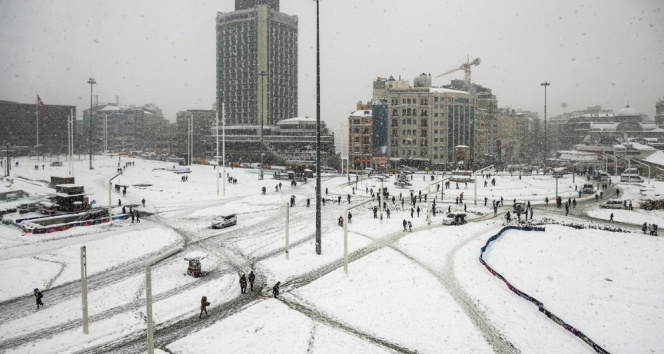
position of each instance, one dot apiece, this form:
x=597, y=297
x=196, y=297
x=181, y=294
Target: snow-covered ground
x=420, y=291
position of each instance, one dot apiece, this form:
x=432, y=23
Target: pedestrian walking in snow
x=138, y=218
x=508, y=217
x=412, y=211
x=252, y=278
x=263, y=190
x=38, y=298
x=308, y=202
x=348, y=199
x=143, y=201
x=119, y=202
x=405, y=224
x=204, y=305
x=350, y=217
x=124, y=211
x=339, y=200
x=325, y=190
x=611, y=218
x=418, y=212
x=464, y=208
x=410, y=226
x=243, y=284
x=275, y=289
x=531, y=214
x=495, y=209
x=386, y=210
x=485, y=199
x=132, y=217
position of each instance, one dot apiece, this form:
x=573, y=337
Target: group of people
x=243, y=289
x=243, y=282
x=184, y=178
x=650, y=229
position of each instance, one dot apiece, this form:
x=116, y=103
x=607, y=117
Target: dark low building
x=18, y=125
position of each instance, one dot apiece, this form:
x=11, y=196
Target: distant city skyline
x=593, y=53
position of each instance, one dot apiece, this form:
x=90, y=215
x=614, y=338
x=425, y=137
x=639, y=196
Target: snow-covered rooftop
x=297, y=119
x=361, y=113
x=446, y=90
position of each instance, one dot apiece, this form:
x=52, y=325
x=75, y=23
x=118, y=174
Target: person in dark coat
x=350, y=217
x=204, y=305
x=405, y=224
x=132, y=216
x=611, y=218
x=508, y=217
x=38, y=298
x=138, y=218
x=410, y=226
x=418, y=212
x=275, y=289
x=243, y=284
x=143, y=201
x=119, y=202
x=124, y=211
x=252, y=278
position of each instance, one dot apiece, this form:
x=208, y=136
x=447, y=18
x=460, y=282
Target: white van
x=627, y=177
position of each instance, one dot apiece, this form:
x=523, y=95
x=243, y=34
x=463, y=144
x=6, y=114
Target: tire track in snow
x=317, y=316
x=491, y=334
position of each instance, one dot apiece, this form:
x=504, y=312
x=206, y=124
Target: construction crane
x=465, y=67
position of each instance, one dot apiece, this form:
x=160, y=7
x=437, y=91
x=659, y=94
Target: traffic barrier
x=537, y=303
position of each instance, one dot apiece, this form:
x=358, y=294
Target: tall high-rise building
x=257, y=63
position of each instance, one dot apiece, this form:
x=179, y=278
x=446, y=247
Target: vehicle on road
x=588, y=188
x=519, y=207
x=56, y=163
x=223, y=221
x=455, y=219
x=628, y=177
x=613, y=204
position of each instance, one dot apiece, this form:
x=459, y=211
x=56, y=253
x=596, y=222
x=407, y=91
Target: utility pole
x=287, y=230
x=84, y=288
x=318, y=186
x=262, y=75
x=91, y=81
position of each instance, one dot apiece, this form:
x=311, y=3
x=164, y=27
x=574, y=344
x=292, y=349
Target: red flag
x=42, y=107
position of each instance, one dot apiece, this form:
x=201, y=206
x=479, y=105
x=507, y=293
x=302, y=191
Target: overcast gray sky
x=604, y=53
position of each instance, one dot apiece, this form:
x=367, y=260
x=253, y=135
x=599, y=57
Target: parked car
x=613, y=204
x=56, y=163
x=454, y=219
x=223, y=221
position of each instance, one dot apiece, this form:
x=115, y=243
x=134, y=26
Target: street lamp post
x=545, y=84
x=262, y=75
x=91, y=81
x=318, y=186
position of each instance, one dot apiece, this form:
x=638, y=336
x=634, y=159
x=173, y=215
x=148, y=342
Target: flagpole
x=37, y=117
x=223, y=147
x=217, y=134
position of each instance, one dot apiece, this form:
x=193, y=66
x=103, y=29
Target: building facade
x=203, y=123
x=360, y=139
x=513, y=131
x=119, y=127
x=19, y=123
x=257, y=63
x=486, y=119
x=426, y=123
x=659, y=113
